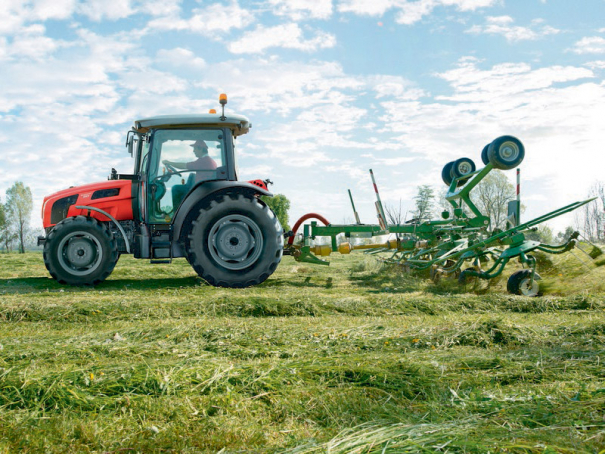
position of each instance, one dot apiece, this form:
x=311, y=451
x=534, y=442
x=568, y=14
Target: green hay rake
x=446, y=245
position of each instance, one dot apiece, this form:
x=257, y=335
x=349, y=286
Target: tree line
x=15, y=214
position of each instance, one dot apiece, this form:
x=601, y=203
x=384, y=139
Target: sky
x=332, y=88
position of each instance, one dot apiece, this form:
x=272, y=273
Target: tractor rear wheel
x=80, y=251
x=520, y=283
x=237, y=241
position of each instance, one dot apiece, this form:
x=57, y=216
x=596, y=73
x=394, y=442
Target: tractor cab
x=176, y=153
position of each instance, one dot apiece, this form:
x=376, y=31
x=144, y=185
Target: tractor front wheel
x=80, y=251
x=237, y=241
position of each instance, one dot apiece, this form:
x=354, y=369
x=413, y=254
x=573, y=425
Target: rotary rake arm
x=445, y=245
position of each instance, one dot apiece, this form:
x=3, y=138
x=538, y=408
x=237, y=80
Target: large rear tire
x=237, y=242
x=80, y=251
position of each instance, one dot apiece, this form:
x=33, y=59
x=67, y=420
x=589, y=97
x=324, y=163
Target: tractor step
x=165, y=247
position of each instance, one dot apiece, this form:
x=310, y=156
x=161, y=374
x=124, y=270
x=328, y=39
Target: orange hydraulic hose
x=319, y=217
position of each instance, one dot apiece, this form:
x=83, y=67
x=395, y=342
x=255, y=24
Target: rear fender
x=202, y=195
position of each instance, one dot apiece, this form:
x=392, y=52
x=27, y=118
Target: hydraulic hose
x=307, y=216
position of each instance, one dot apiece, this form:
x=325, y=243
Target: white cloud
x=215, y=18
x=31, y=42
x=280, y=87
x=289, y=36
x=412, y=12
x=556, y=111
x=159, y=8
x=298, y=10
x=254, y=172
x=502, y=25
x=180, y=58
x=52, y=9
x=14, y=14
x=98, y=10
x=395, y=87
x=598, y=64
x=365, y=7
x=67, y=108
x=590, y=45
x=409, y=12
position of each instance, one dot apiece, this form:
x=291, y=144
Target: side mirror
x=129, y=143
x=130, y=139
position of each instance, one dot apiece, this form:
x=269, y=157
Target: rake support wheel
x=446, y=173
x=506, y=152
x=519, y=283
x=461, y=168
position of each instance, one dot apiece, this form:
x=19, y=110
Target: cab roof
x=238, y=123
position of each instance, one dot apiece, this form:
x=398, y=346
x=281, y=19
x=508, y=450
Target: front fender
x=202, y=194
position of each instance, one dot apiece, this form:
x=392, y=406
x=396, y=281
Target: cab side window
x=180, y=160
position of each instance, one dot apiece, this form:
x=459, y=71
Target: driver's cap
x=199, y=143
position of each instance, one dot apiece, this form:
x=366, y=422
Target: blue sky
x=332, y=88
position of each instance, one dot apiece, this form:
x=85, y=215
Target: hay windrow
x=350, y=358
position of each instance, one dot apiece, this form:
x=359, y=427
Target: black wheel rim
x=80, y=253
x=235, y=242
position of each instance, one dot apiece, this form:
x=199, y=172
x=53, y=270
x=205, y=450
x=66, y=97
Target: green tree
x=491, y=196
x=18, y=208
x=563, y=236
x=543, y=234
x=280, y=205
x=424, y=203
x=5, y=233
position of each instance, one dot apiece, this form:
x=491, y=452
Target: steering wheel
x=166, y=176
x=172, y=169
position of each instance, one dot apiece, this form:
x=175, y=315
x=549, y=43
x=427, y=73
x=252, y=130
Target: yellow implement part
x=346, y=248
x=322, y=251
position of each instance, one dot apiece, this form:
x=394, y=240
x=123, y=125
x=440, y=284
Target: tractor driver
x=203, y=161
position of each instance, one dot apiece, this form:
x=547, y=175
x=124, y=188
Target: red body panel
x=120, y=206
x=260, y=183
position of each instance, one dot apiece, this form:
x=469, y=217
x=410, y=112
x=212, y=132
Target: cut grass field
x=348, y=358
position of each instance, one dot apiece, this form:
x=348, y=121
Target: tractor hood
x=112, y=196
x=86, y=189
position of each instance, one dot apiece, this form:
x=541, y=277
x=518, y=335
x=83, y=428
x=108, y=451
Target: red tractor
x=182, y=200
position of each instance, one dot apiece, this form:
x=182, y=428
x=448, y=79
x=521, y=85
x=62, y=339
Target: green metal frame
x=447, y=244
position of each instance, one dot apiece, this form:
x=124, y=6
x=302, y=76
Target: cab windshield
x=179, y=160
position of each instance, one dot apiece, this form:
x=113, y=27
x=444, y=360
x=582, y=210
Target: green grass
x=348, y=358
